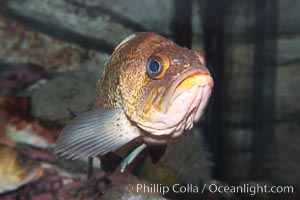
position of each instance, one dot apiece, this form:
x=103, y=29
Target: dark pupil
x=154, y=66
x=22, y=160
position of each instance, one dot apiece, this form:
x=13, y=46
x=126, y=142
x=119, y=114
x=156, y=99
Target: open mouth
x=197, y=76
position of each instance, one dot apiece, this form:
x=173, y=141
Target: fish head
x=16, y=169
x=164, y=87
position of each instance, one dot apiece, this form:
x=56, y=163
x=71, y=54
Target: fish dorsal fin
x=125, y=41
x=96, y=132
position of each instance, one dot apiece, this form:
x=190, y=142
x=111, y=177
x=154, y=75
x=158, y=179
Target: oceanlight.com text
x=212, y=188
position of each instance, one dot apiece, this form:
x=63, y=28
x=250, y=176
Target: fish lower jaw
x=185, y=110
x=167, y=137
x=179, y=110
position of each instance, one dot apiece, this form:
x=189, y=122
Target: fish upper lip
x=198, y=70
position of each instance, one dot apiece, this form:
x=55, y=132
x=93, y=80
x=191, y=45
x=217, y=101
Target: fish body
x=150, y=92
x=16, y=169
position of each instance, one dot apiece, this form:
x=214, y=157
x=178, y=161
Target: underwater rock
x=98, y=187
x=3, y=137
x=14, y=106
x=185, y=161
x=131, y=9
x=20, y=127
x=52, y=100
x=43, y=196
x=99, y=21
x=16, y=169
x=28, y=133
x=25, y=45
x=76, y=20
x=16, y=76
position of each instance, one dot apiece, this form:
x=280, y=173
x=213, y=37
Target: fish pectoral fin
x=96, y=132
x=132, y=156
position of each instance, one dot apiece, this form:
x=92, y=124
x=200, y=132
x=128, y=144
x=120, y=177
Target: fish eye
x=156, y=66
x=22, y=160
